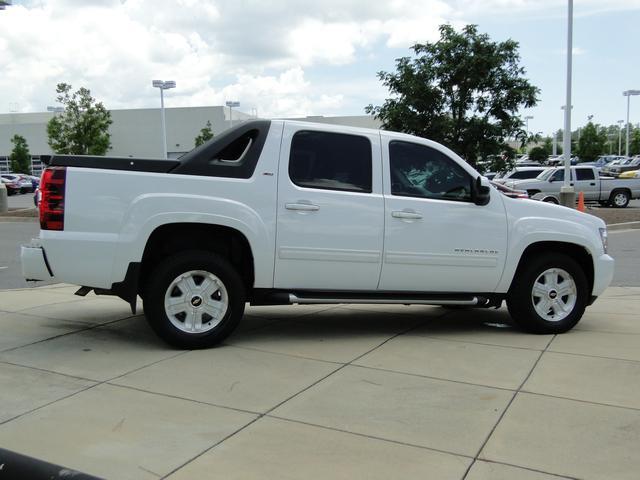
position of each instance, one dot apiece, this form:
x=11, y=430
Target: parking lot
x=322, y=392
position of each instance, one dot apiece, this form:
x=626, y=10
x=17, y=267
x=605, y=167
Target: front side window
x=331, y=161
x=558, y=176
x=421, y=171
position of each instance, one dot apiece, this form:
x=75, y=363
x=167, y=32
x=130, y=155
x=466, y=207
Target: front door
x=330, y=223
x=436, y=238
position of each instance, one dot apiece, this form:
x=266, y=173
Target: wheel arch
x=171, y=238
x=577, y=252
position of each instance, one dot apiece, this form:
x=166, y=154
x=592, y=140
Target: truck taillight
x=52, y=198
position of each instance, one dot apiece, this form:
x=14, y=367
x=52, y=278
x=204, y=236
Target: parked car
x=520, y=173
x=276, y=212
x=12, y=186
x=606, y=169
x=23, y=180
x=602, y=161
x=559, y=160
x=510, y=192
x=606, y=191
x=632, y=164
x=630, y=174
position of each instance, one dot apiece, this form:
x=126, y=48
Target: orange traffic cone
x=581, y=202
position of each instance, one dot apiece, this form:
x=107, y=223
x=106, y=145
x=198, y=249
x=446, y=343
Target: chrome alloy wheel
x=554, y=294
x=196, y=301
x=620, y=199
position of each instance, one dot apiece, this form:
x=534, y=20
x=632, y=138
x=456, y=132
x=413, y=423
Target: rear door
x=585, y=181
x=330, y=209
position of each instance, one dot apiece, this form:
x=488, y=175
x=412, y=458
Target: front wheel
x=194, y=299
x=549, y=294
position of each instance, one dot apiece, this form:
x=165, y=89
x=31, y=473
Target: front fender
x=530, y=230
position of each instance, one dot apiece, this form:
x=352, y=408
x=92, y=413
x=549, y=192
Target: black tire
x=604, y=204
x=619, y=198
x=520, y=301
x=162, y=278
x=550, y=200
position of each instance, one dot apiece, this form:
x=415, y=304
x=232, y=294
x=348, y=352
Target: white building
x=138, y=133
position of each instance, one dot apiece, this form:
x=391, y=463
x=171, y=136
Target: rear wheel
x=550, y=200
x=549, y=294
x=194, y=299
x=619, y=198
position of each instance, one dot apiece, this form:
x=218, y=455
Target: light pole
x=628, y=94
x=163, y=85
x=231, y=105
x=620, y=122
x=526, y=119
x=567, y=193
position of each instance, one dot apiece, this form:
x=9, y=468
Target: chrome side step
x=402, y=301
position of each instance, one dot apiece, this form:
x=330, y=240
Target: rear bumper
x=602, y=274
x=34, y=262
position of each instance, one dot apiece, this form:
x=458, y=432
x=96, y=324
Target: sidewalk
x=322, y=392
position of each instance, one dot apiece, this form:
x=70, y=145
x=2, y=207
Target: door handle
x=592, y=184
x=302, y=207
x=406, y=215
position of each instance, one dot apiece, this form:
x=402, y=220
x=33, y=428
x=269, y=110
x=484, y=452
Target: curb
x=19, y=219
x=623, y=226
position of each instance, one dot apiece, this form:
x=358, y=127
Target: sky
x=287, y=58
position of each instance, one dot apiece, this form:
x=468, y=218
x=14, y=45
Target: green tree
x=538, y=154
x=592, y=143
x=463, y=91
x=205, y=135
x=20, y=157
x=83, y=126
x=634, y=142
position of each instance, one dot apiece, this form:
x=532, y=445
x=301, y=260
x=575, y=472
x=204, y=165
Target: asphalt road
x=624, y=246
x=24, y=200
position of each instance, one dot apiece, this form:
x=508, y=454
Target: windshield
x=545, y=174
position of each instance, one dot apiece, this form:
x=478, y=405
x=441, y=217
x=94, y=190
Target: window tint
x=523, y=174
x=558, y=176
x=331, y=161
x=421, y=171
x=584, y=174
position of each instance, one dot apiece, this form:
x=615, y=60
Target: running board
x=403, y=301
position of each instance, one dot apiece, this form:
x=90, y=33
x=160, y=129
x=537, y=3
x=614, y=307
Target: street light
x=628, y=94
x=620, y=122
x=567, y=193
x=526, y=119
x=231, y=105
x=163, y=85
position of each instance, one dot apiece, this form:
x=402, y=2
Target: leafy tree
x=463, y=91
x=634, y=142
x=206, y=134
x=592, y=143
x=538, y=154
x=83, y=126
x=20, y=157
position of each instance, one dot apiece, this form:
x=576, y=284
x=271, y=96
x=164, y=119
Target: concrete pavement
x=322, y=392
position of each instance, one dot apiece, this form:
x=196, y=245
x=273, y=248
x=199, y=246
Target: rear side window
x=331, y=161
x=584, y=174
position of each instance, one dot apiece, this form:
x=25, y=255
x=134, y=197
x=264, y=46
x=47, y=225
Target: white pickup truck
x=282, y=212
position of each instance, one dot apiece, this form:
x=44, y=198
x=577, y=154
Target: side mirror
x=480, y=193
